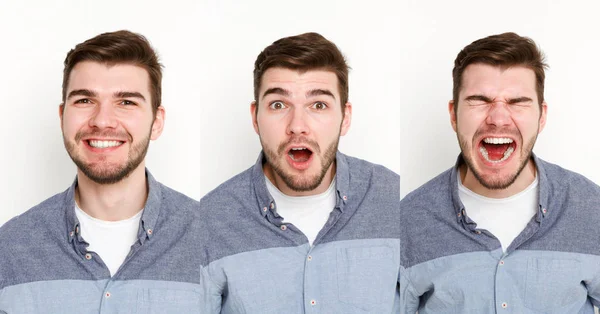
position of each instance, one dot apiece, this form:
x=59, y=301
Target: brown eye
x=319, y=105
x=277, y=105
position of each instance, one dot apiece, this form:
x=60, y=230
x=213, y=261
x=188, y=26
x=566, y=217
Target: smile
x=496, y=149
x=104, y=144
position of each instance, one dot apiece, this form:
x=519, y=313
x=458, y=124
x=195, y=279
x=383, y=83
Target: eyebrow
x=82, y=92
x=478, y=97
x=319, y=92
x=129, y=95
x=276, y=90
x=90, y=93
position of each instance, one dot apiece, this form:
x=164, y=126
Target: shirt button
x=272, y=205
x=544, y=210
x=345, y=198
x=77, y=230
x=107, y=295
x=265, y=209
x=477, y=231
x=149, y=231
x=283, y=227
x=504, y=305
x=72, y=233
x=313, y=302
x=501, y=263
x=458, y=215
x=309, y=258
x=88, y=256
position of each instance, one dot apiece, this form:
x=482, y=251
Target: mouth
x=101, y=144
x=497, y=149
x=299, y=157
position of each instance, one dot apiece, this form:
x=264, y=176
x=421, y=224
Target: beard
x=104, y=172
x=496, y=182
x=300, y=182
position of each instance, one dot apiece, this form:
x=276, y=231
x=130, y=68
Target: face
x=299, y=122
x=497, y=122
x=107, y=120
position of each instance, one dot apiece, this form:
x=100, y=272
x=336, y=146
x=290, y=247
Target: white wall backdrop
x=567, y=31
x=208, y=49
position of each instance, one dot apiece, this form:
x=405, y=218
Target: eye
x=126, y=102
x=319, y=105
x=277, y=105
x=83, y=101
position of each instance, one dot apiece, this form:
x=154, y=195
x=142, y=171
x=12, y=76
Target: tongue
x=496, y=151
x=300, y=155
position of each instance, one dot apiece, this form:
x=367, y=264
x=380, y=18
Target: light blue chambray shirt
x=46, y=268
x=451, y=266
x=254, y=263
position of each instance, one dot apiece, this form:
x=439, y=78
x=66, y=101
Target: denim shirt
x=451, y=266
x=45, y=266
x=255, y=263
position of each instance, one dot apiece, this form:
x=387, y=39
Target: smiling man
x=116, y=240
x=307, y=229
x=502, y=231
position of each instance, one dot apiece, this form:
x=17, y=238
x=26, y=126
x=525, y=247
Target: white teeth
x=298, y=148
x=507, y=154
x=104, y=144
x=497, y=140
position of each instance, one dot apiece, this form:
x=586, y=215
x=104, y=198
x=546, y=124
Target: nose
x=104, y=116
x=499, y=114
x=297, y=123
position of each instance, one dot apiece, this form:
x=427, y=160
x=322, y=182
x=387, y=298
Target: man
x=502, y=231
x=307, y=229
x=116, y=240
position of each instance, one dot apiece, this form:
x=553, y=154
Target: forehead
x=102, y=77
x=494, y=81
x=299, y=81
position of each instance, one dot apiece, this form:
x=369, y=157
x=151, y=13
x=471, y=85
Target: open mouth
x=497, y=149
x=300, y=154
x=104, y=144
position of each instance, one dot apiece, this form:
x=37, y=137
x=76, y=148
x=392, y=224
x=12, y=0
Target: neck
x=524, y=179
x=285, y=189
x=112, y=202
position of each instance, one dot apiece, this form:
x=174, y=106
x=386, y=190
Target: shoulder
x=362, y=170
x=236, y=189
x=435, y=190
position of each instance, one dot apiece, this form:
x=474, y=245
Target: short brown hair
x=118, y=47
x=309, y=51
x=503, y=50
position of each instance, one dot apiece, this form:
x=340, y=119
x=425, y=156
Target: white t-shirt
x=505, y=218
x=307, y=213
x=111, y=240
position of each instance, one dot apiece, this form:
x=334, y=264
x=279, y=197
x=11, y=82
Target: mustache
x=491, y=130
x=104, y=133
x=313, y=145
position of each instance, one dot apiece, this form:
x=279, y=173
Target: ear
x=543, y=117
x=158, y=124
x=347, y=120
x=61, y=111
x=253, y=112
x=452, y=113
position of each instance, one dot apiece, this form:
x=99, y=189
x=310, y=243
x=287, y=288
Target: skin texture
x=109, y=103
x=496, y=102
x=300, y=109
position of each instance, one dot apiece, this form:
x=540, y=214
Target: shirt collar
x=543, y=197
x=147, y=222
x=265, y=200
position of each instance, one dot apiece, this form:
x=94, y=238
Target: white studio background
x=566, y=31
x=208, y=49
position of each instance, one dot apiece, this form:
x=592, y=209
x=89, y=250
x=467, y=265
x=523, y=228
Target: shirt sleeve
x=409, y=299
x=211, y=293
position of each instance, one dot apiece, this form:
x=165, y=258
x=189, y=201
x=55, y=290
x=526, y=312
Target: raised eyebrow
x=277, y=91
x=129, y=95
x=82, y=92
x=478, y=97
x=319, y=92
x=519, y=99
